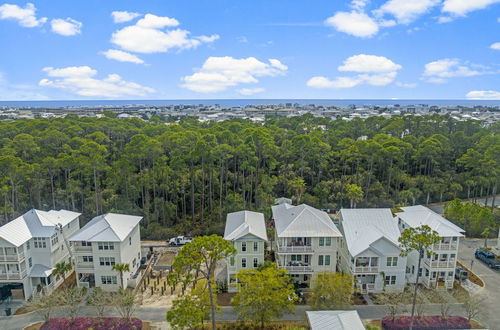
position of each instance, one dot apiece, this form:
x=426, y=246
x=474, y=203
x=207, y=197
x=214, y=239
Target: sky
x=226, y=49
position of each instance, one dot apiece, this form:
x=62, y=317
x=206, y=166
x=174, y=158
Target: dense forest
x=185, y=176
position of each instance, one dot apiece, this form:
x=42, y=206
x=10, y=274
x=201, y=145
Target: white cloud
x=406, y=85
x=483, y=95
x=354, y=23
x=121, y=56
x=147, y=36
x=372, y=70
x=495, y=46
x=123, y=16
x=438, y=71
x=406, y=11
x=219, y=73
x=463, y=7
x=250, y=91
x=80, y=80
x=66, y=27
x=24, y=16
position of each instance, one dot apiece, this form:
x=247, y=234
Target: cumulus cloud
x=24, y=16
x=495, y=46
x=463, y=7
x=439, y=71
x=406, y=11
x=148, y=36
x=121, y=56
x=66, y=27
x=220, y=73
x=354, y=23
x=372, y=70
x=80, y=81
x=406, y=85
x=483, y=95
x=123, y=16
x=250, y=91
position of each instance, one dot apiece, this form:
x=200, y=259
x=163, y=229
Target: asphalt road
x=491, y=291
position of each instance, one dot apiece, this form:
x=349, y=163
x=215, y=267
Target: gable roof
x=363, y=227
x=110, y=227
x=303, y=221
x=418, y=215
x=242, y=223
x=35, y=223
x=334, y=320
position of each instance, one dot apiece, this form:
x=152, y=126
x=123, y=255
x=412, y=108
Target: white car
x=180, y=240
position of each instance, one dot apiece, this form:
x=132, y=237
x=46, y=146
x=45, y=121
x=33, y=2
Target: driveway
x=491, y=278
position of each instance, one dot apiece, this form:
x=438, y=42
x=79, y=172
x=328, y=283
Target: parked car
x=488, y=258
x=180, y=240
x=461, y=274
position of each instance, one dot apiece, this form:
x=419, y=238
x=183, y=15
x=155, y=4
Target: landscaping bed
x=281, y=325
x=95, y=323
x=472, y=276
x=224, y=299
x=426, y=322
x=358, y=299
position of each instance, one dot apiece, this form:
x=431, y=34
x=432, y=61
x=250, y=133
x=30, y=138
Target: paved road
x=491, y=315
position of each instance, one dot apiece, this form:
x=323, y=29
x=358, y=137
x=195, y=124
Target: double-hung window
x=390, y=280
x=320, y=260
x=107, y=261
x=39, y=243
x=321, y=241
x=255, y=262
x=328, y=241
x=243, y=262
x=108, y=280
x=243, y=246
x=392, y=261
x=255, y=246
x=106, y=246
x=88, y=259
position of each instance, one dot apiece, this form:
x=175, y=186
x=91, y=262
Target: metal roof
x=334, y=320
x=35, y=223
x=40, y=271
x=110, y=227
x=242, y=223
x=418, y=215
x=363, y=227
x=303, y=221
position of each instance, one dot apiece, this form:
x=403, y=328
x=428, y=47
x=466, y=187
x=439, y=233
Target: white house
x=30, y=246
x=334, y=320
x=371, y=251
x=247, y=232
x=439, y=269
x=107, y=240
x=307, y=241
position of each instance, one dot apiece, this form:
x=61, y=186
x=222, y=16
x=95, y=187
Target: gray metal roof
x=334, y=320
x=35, y=223
x=363, y=227
x=110, y=227
x=303, y=221
x=40, y=271
x=418, y=215
x=242, y=223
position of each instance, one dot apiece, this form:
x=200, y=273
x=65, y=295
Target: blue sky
x=360, y=49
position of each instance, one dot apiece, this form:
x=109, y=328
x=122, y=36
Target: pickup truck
x=488, y=258
x=180, y=240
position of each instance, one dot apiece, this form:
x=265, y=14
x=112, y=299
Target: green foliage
x=331, y=291
x=60, y=270
x=121, y=268
x=265, y=294
x=418, y=239
x=472, y=217
x=100, y=299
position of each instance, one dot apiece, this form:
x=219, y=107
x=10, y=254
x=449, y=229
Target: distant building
x=107, y=240
x=334, y=320
x=246, y=230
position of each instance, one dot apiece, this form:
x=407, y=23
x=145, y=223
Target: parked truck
x=180, y=240
x=488, y=258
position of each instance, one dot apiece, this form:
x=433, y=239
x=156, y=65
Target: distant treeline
x=185, y=177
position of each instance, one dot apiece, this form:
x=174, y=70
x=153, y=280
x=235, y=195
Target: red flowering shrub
x=425, y=322
x=95, y=323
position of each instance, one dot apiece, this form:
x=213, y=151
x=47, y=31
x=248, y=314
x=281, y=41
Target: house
x=30, y=247
x=105, y=241
x=439, y=269
x=307, y=241
x=246, y=230
x=334, y=320
x=371, y=251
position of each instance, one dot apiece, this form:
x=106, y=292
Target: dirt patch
x=35, y=326
x=433, y=296
x=224, y=299
x=357, y=299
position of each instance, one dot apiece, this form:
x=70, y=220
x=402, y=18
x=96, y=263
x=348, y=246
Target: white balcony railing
x=11, y=257
x=77, y=249
x=445, y=247
x=84, y=265
x=441, y=263
x=298, y=269
x=368, y=269
x=295, y=249
x=13, y=275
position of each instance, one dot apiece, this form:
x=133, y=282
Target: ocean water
x=242, y=102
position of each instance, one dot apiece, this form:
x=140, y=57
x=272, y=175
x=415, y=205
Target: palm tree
x=121, y=268
x=61, y=269
x=486, y=233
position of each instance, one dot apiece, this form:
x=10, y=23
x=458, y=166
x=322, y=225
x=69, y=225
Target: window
x=133, y=262
x=390, y=280
x=243, y=246
x=54, y=239
x=327, y=260
x=255, y=262
x=328, y=241
x=392, y=261
x=231, y=261
x=296, y=257
x=130, y=241
x=30, y=262
x=452, y=256
x=27, y=245
x=255, y=246
x=88, y=259
x=321, y=241
x=106, y=261
x=106, y=246
x=243, y=262
x=39, y=243
x=108, y=280
x=454, y=239
x=320, y=261
x=420, y=272
x=426, y=272
x=84, y=243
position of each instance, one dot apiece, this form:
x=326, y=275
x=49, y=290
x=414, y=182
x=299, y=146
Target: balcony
x=13, y=275
x=441, y=263
x=367, y=269
x=84, y=266
x=295, y=249
x=11, y=257
x=445, y=247
x=299, y=269
x=82, y=249
x=365, y=287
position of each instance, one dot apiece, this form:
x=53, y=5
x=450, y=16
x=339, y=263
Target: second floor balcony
x=365, y=265
x=294, y=245
x=11, y=254
x=449, y=246
x=13, y=275
x=450, y=263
